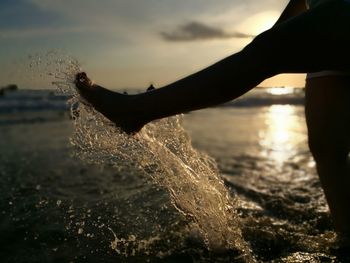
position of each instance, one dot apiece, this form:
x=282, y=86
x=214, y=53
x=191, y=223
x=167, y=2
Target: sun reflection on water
x=282, y=133
x=280, y=90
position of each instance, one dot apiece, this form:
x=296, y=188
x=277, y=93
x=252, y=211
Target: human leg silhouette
x=315, y=40
x=327, y=109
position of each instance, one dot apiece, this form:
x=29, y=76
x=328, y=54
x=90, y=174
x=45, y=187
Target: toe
x=82, y=79
x=83, y=85
x=80, y=76
x=82, y=82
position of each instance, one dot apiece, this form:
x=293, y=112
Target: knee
x=265, y=54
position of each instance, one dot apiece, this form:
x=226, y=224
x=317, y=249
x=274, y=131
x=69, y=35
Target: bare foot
x=116, y=107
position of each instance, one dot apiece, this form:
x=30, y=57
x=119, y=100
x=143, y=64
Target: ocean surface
x=235, y=183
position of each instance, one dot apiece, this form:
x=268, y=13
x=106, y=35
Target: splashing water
x=161, y=151
x=58, y=68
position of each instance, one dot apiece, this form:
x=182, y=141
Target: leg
x=281, y=49
x=328, y=119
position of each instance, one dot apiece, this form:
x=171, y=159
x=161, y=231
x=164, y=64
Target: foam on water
x=162, y=152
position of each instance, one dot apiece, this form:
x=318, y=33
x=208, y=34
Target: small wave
x=267, y=101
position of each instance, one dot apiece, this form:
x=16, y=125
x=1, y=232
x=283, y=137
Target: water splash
x=161, y=151
x=190, y=177
x=57, y=68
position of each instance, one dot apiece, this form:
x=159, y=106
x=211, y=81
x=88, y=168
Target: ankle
x=140, y=109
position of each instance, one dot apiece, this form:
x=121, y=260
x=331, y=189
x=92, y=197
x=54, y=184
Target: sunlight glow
x=260, y=22
x=280, y=90
x=266, y=24
x=281, y=137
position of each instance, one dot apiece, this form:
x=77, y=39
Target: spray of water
x=162, y=152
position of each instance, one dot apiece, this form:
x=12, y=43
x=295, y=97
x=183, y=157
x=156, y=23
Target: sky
x=124, y=44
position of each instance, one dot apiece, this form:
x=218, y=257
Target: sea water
x=153, y=196
x=162, y=152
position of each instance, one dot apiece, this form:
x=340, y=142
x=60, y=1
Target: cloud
x=198, y=31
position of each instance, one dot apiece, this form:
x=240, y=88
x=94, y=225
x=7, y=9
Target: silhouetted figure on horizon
x=151, y=87
x=10, y=87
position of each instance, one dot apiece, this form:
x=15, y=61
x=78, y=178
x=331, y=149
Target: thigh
x=318, y=39
x=327, y=109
